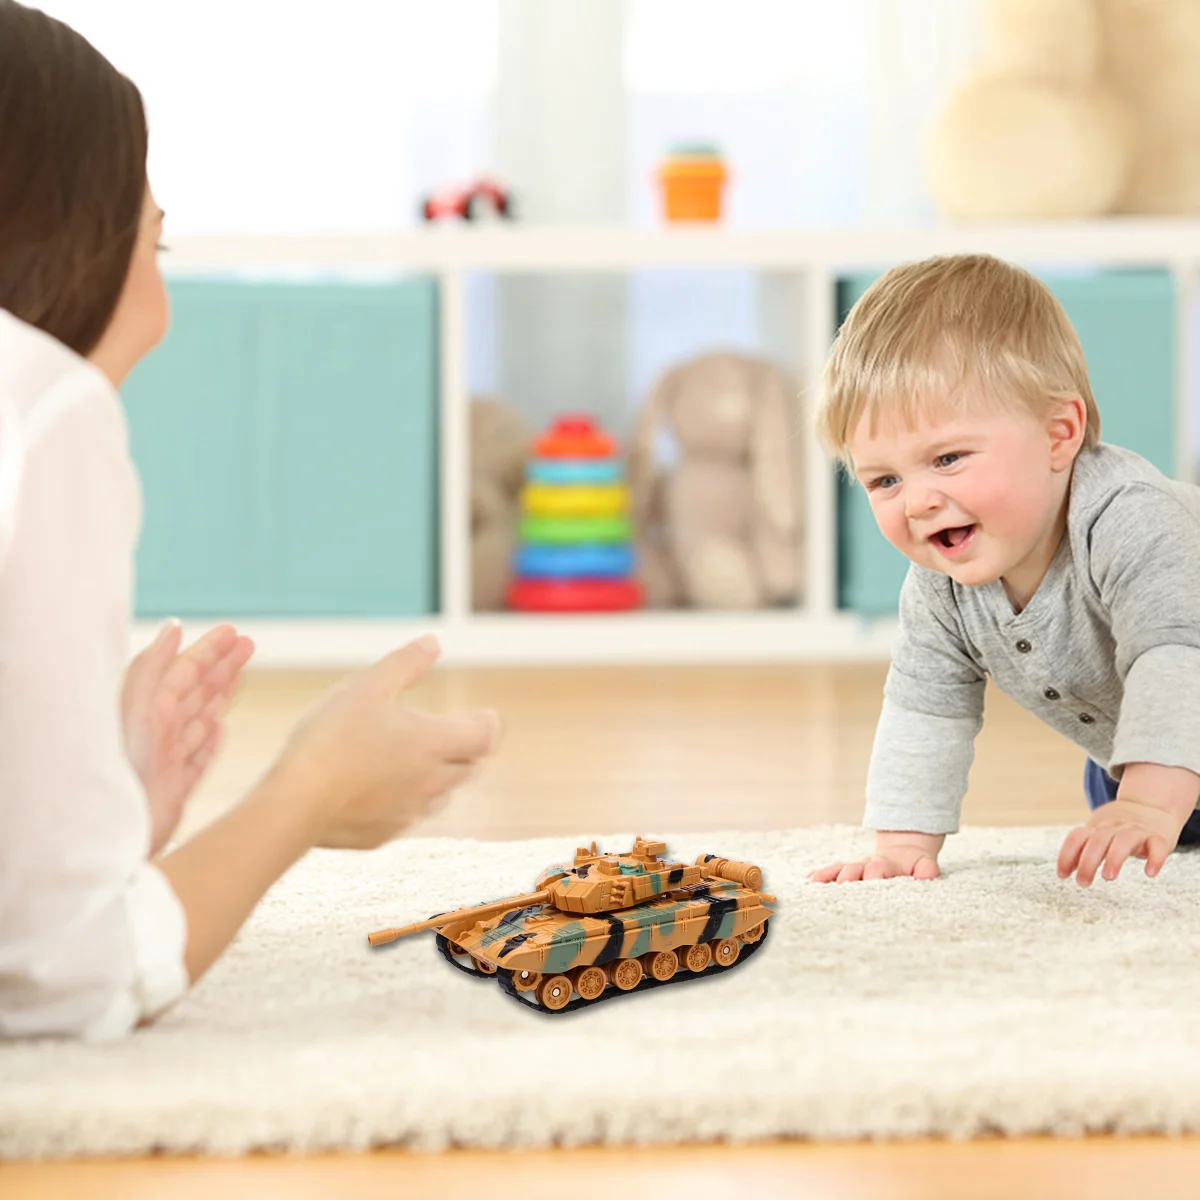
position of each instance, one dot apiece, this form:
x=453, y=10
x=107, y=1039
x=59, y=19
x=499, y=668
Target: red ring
x=574, y=595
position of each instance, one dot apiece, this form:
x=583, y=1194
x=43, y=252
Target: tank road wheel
x=526, y=981
x=698, y=958
x=754, y=935
x=483, y=966
x=555, y=993
x=457, y=957
x=660, y=964
x=449, y=946
x=625, y=974
x=590, y=981
x=725, y=951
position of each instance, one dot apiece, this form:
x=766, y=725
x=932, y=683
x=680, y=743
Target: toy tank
x=606, y=925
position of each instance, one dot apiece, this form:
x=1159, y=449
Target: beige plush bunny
x=719, y=527
x=1076, y=108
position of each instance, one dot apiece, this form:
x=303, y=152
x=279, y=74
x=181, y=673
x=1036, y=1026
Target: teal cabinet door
x=1126, y=323
x=286, y=438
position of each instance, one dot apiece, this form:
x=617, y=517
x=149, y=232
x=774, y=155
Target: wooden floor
x=655, y=751
x=671, y=749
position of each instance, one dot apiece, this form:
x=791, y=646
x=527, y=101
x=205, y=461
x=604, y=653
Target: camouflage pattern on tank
x=607, y=924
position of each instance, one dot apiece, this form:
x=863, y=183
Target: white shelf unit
x=814, y=630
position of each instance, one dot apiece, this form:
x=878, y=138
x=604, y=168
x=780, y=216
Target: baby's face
x=972, y=495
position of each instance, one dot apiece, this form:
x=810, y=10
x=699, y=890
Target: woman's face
x=140, y=319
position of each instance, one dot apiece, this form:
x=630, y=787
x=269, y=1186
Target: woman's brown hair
x=72, y=177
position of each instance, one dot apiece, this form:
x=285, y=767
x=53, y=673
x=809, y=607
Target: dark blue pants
x=1100, y=787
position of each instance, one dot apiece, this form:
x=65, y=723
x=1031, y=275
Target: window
x=310, y=118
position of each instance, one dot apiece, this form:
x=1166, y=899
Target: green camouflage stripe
x=511, y=925
x=578, y=938
x=645, y=920
x=725, y=928
x=565, y=945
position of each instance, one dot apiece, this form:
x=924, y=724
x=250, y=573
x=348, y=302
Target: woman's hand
x=356, y=771
x=172, y=707
x=368, y=765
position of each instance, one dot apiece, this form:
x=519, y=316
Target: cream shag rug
x=996, y=999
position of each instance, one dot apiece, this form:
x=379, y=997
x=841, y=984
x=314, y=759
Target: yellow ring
x=575, y=500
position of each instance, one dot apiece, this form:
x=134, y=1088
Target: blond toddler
x=1065, y=569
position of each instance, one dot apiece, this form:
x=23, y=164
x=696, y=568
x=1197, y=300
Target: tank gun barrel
x=382, y=936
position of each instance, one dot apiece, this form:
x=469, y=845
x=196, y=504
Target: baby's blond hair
x=925, y=333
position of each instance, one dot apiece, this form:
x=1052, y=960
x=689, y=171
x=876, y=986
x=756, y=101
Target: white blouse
x=91, y=935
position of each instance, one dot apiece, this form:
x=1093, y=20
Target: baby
x=1066, y=569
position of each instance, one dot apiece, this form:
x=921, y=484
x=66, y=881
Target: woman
x=98, y=931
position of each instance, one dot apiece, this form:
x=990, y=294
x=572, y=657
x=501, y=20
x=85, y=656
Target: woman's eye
x=947, y=460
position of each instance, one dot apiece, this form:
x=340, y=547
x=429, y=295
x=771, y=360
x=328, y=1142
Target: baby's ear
x=1066, y=425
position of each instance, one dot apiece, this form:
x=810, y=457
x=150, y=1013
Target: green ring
x=560, y=530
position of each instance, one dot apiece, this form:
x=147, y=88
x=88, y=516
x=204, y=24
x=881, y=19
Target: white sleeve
x=91, y=935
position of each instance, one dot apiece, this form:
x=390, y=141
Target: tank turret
x=604, y=924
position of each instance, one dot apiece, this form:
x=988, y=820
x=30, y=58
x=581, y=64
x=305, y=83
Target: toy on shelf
x=499, y=442
x=575, y=553
x=607, y=924
x=720, y=526
x=470, y=202
x=692, y=179
x=1074, y=110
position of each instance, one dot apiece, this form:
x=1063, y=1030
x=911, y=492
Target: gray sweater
x=1107, y=651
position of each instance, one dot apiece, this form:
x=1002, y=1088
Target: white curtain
x=918, y=49
x=560, y=340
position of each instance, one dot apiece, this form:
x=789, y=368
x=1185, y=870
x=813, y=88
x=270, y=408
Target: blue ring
x=573, y=470
x=574, y=562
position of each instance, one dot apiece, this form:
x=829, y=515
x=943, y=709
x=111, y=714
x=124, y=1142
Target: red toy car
x=470, y=202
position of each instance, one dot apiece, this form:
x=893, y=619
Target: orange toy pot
x=693, y=183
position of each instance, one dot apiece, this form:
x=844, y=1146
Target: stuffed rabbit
x=719, y=528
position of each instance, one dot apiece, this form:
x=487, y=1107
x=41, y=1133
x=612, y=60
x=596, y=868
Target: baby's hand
x=897, y=852
x=916, y=863
x=1116, y=831
x=172, y=706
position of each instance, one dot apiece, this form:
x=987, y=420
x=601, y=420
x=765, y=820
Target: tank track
x=455, y=960
x=683, y=975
